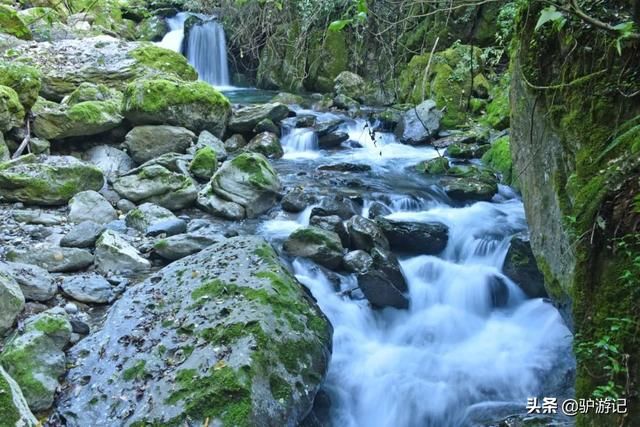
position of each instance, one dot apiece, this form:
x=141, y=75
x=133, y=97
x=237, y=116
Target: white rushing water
x=206, y=47
x=453, y=357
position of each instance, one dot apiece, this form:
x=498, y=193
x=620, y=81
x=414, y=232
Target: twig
x=25, y=141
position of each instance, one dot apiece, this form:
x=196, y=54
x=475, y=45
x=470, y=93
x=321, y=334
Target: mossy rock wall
x=575, y=146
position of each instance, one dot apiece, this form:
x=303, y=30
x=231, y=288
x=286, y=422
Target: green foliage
x=550, y=14
x=10, y=23
x=625, y=31
x=356, y=14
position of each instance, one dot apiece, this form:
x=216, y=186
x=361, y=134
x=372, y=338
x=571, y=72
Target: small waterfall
x=299, y=143
x=205, y=48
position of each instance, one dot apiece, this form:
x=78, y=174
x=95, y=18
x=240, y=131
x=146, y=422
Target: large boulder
x=204, y=163
x=196, y=106
x=245, y=119
x=57, y=121
x=88, y=288
x=248, y=180
x=459, y=150
x=210, y=202
x=227, y=345
x=336, y=204
x=521, y=267
x=10, y=23
x=427, y=238
x=350, y=85
x=114, y=254
x=110, y=160
x=91, y=206
x=35, y=282
x=11, y=301
x=147, y=142
x=267, y=144
x=207, y=139
x=35, y=358
x=365, y=234
x=419, y=125
x=22, y=78
x=470, y=183
x=321, y=246
x=11, y=111
x=157, y=184
x=15, y=409
x=381, y=280
x=101, y=60
x=51, y=180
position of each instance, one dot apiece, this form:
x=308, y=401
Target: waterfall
x=205, y=48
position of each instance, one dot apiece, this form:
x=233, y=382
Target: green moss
x=135, y=372
x=280, y=389
x=161, y=244
x=22, y=78
x=499, y=158
x=21, y=362
x=498, y=109
x=164, y=60
x=315, y=236
x=92, y=112
x=51, y=324
x=11, y=111
x=261, y=174
x=10, y=414
x=10, y=23
x=92, y=92
x=204, y=163
x=437, y=166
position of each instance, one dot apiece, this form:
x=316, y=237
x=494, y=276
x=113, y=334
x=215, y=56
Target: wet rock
x=305, y=121
x=344, y=102
x=91, y=206
x=345, y=167
x=326, y=127
x=182, y=245
x=148, y=142
x=235, y=142
x=115, y=254
x=37, y=217
x=377, y=209
x=387, y=263
x=419, y=125
x=468, y=189
x=267, y=125
x=467, y=151
x=35, y=283
x=153, y=220
x=156, y=184
x=11, y=301
x=365, y=234
x=15, y=409
x=357, y=262
x=89, y=288
x=79, y=327
x=267, y=144
x=54, y=259
x=111, y=161
x=296, y=200
x=236, y=310
x=428, y=238
x=207, y=139
x=83, y=235
x=248, y=180
x=245, y=119
x=498, y=291
x=50, y=180
x=35, y=358
x=338, y=205
x=437, y=166
x=349, y=84
x=288, y=98
x=520, y=266
x=209, y=202
x=321, y=246
x=380, y=292
x=332, y=140
x=331, y=223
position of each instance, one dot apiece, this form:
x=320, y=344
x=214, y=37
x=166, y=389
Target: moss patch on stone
x=24, y=79
x=499, y=159
x=11, y=111
x=164, y=60
x=10, y=23
x=10, y=414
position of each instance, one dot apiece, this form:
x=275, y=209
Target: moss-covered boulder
x=498, y=110
x=11, y=301
x=10, y=23
x=470, y=184
x=196, y=106
x=498, y=157
x=437, y=166
x=267, y=144
x=145, y=143
x=157, y=184
x=450, y=80
x=225, y=335
x=92, y=92
x=319, y=245
x=246, y=119
x=351, y=85
x=13, y=406
x=459, y=150
x=152, y=29
x=35, y=358
x=248, y=180
x=51, y=180
x=22, y=78
x=328, y=56
x=204, y=163
x=11, y=111
x=66, y=64
x=58, y=121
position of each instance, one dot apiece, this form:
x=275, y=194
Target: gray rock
x=114, y=254
x=40, y=146
x=365, y=234
x=209, y=202
x=234, y=143
x=296, y=200
x=415, y=237
x=387, y=263
x=182, y=245
x=377, y=209
x=90, y=288
x=349, y=84
x=469, y=189
x=111, y=161
x=332, y=140
x=217, y=315
x=35, y=283
x=207, y=139
x=147, y=142
x=83, y=235
x=419, y=125
x=344, y=102
x=267, y=144
x=380, y=292
x=91, y=206
x=321, y=246
x=37, y=217
x=11, y=301
x=246, y=119
x=357, y=261
x=248, y=180
x=54, y=259
x=521, y=267
x=267, y=125
x=156, y=184
x=153, y=220
x=125, y=205
x=338, y=205
x=17, y=407
x=35, y=358
x=331, y=223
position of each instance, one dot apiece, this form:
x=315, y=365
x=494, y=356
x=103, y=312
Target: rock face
x=246, y=119
x=196, y=106
x=248, y=180
x=91, y=206
x=15, y=410
x=157, y=184
x=35, y=358
x=11, y=301
x=49, y=180
x=68, y=63
x=419, y=125
x=321, y=246
x=415, y=237
x=219, y=335
x=147, y=142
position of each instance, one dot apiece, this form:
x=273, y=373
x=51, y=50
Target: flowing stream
x=452, y=358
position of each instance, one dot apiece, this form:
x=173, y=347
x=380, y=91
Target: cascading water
x=456, y=357
x=205, y=48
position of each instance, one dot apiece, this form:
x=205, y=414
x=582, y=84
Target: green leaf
x=549, y=14
x=339, y=25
